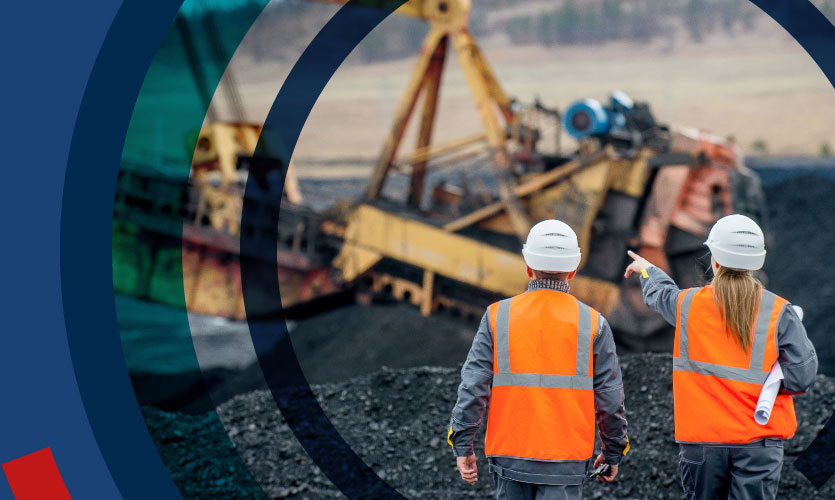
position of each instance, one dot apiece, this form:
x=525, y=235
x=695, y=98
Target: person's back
x=543, y=349
x=716, y=382
x=546, y=364
x=729, y=336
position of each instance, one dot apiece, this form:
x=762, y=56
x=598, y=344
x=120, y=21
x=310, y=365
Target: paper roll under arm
x=799, y=311
x=768, y=395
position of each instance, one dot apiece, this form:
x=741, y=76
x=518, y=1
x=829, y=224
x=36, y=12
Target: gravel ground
x=396, y=421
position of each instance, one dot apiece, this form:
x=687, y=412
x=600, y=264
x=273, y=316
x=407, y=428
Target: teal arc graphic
x=86, y=232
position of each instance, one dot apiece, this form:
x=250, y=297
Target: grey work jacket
x=474, y=396
x=796, y=354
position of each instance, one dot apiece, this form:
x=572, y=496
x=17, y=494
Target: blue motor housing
x=621, y=102
x=585, y=118
x=588, y=117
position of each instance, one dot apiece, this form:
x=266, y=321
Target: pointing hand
x=638, y=264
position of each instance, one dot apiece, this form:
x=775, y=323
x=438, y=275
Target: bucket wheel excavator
x=630, y=183
x=451, y=239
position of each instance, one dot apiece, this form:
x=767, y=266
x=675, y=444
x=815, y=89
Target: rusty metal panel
x=704, y=198
x=212, y=284
x=661, y=203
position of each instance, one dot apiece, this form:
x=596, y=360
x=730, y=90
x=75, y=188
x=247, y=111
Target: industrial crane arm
x=448, y=25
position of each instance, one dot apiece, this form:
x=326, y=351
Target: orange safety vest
x=716, y=384
x=542, y=402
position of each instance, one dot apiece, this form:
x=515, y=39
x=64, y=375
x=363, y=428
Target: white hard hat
x=552, y=247
x=737, y=242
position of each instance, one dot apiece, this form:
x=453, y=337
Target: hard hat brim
x=550, y=263
x=733, y=260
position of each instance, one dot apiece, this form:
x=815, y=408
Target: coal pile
x=334, y=345
x=358, y=340
x=800, y=263
x=396, y=420
x=199, y=457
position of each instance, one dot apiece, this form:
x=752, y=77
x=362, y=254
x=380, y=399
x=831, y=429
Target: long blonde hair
x=737, y=295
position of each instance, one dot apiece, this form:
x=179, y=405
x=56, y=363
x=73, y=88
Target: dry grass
x=758, y=86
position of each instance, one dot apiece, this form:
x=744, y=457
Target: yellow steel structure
x=574, y=193
x=221, y=143
x=448, y=24
x=373, y=233
x=443, y=249
x=216, y=151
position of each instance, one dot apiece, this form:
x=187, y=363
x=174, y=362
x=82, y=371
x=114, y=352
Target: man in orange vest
x=546, y=364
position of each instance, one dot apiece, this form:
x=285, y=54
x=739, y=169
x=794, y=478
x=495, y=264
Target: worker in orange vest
x=546, y=365
x=729, y=335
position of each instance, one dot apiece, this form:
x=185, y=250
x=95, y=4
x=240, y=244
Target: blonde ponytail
x=737, y=295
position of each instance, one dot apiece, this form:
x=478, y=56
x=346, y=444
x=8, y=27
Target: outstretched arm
x=473, y=396
x=660, y=291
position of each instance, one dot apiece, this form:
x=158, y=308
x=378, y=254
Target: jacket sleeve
x=608, y=395
x=474, y=391
x=660, y=293
x=796, y=354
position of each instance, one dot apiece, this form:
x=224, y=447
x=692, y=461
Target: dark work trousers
x=508, y=489
x=733, y=472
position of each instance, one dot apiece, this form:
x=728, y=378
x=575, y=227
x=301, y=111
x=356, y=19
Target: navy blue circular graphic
x=86, y=232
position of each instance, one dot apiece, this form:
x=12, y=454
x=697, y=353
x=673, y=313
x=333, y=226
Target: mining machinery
x=450, y=241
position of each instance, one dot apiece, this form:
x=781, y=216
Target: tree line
x=560, y=22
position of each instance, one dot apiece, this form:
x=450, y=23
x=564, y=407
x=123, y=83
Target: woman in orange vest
x=729, y=335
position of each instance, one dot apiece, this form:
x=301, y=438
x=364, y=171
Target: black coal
x=396, y=421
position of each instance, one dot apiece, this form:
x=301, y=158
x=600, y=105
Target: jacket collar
x=548, y=284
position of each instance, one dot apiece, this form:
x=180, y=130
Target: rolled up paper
x=799, y=311
x=768, y=395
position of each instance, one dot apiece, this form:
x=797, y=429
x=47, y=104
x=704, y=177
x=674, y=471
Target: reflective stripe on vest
x=715, y=397
x=503, y=375
x=754, y=373
x=542, y=407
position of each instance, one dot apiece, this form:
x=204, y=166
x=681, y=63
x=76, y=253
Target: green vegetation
x=760, y=147
x=284, y=27
x=576, y=21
